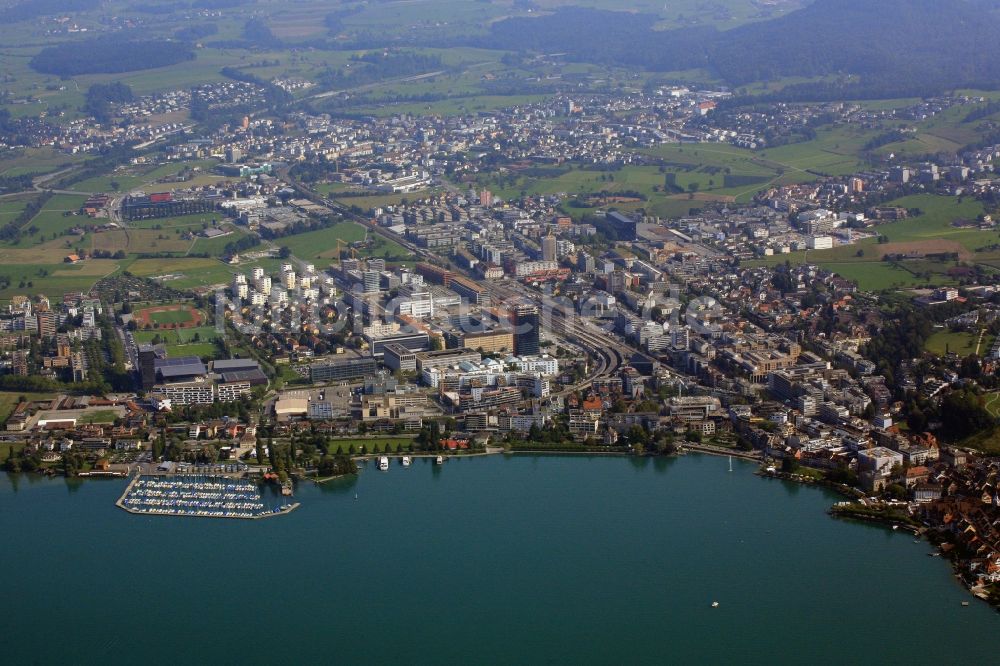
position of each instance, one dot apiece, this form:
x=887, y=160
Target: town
x=633, y=272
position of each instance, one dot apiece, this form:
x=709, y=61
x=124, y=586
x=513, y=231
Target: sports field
x=198, y=341
x=176, y=315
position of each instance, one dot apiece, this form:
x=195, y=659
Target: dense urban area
x=311, y=256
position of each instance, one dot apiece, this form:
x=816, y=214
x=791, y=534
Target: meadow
x=930, y=231
x=321, y=246
x=958, y=342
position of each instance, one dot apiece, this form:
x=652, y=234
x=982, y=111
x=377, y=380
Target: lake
x=523, y=559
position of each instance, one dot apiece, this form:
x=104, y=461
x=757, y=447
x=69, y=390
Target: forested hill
x=929, y=42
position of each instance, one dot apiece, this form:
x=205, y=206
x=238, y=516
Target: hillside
x=927, y=42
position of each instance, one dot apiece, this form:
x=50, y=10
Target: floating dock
x=198, y=496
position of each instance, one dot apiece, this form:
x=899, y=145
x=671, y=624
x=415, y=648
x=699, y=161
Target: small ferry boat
x=439, y=460
x=406, y=461
x=383, y=463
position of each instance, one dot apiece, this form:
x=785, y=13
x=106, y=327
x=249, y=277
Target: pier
x=199, y=496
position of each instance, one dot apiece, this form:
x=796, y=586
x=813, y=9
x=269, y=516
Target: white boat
x=383, y=463
x=715, y=604
x=406, y=461
x=439, y=460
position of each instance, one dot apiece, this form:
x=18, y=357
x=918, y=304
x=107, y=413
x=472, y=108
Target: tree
x=916, y=420
x=284, y=252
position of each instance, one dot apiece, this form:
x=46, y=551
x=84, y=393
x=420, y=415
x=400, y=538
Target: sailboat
x=730, y=463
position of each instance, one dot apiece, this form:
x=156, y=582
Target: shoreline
x=922, y=532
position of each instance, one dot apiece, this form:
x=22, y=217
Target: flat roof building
x=354, y=368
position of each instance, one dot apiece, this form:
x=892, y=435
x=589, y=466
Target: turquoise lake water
x=483, y=560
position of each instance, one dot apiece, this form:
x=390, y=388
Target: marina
x=199, y=496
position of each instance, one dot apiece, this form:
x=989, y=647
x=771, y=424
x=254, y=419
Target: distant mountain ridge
x=929, y=42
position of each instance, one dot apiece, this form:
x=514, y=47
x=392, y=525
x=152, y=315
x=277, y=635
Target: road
x=377, y=84
x=38, y=182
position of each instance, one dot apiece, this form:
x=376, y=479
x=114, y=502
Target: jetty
x=198, y=496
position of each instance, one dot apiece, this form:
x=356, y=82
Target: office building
x=355, y=368
x=549, y=248
x=147, y=367
x=526, y=329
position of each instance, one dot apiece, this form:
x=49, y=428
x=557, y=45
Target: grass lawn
x=321, y=246
x=100, y=416
x=49, y=278
x=960, y=343
x=195, y=272
x=8, y=401
x=382, y=200
x=868, y=271
x=372, y=444
x=56, y=216
x=992, y=403
x=987, y=442
x=136, y=241
x=35, y=160
x=180, y=342
x=935, y=221
x=184, y=222
x=171, y=317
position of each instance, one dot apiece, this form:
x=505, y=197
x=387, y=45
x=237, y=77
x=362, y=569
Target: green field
x=369, y=202
x=992, y=403
x=321, y=246
x=35, y=160
x=144, y=176
x=180, y=342
x=935, y=221
x=379, y=443
x=959, y=343
x=196, y=272
x=58, y=214
x=8, y=401
x=932, y=229
x=98, y=416
x=453, y=106
x=30, y=276
x=171, y=317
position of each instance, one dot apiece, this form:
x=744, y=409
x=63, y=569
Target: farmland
x=195, y=272
x=60, y=213
x=132, y=241
x=149, y=178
